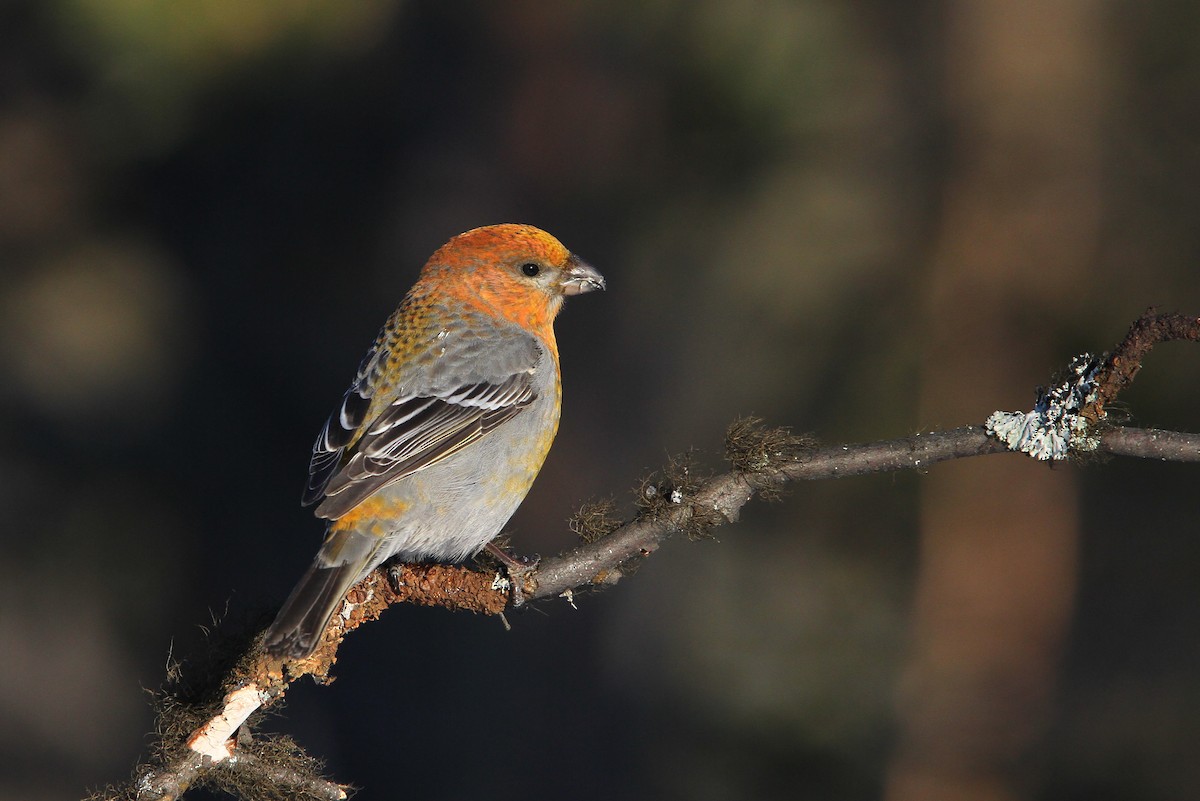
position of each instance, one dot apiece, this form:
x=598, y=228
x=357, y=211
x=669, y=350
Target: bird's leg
x=517, y=568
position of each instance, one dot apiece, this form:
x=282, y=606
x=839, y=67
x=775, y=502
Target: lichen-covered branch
x=206, y=741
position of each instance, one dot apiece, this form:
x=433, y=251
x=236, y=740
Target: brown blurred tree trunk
x=1024, y=85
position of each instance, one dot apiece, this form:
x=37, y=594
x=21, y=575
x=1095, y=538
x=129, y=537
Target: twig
x=1126, y=359
x=1150, y=443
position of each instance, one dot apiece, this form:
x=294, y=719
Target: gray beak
x=580, y=277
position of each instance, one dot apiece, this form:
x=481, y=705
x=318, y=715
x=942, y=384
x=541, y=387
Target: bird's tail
x=346, y=557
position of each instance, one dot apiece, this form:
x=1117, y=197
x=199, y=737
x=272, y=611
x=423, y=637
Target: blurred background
x=861, y=219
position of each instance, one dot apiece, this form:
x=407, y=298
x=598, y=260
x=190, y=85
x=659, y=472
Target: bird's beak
x=580, y=277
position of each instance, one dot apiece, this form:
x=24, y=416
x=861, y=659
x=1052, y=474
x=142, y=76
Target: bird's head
x=517, y=271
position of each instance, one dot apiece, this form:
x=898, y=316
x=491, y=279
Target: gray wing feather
x=419, y=427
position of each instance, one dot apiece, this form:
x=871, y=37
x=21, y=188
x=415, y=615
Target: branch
x=1146, y=332
x=1151, y=443
x=764, y=461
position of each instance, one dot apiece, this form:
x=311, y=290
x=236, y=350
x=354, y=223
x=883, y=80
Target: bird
x=446, y=424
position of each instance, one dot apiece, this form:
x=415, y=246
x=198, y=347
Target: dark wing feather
x=342, y=425
x=412, y=433
x=331, y=442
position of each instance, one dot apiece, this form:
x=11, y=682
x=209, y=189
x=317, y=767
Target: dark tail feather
x=299, y=625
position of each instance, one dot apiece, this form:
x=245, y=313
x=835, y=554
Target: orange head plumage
x=516, y=272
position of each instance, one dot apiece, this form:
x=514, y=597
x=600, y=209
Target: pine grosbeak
x=447, y=423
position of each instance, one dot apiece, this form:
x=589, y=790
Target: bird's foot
x=517, y=568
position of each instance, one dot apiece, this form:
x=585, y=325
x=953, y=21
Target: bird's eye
x=530, y=269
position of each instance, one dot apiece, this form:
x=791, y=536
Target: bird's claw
x=517, y=568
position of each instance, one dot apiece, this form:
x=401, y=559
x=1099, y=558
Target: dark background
x=858, y=218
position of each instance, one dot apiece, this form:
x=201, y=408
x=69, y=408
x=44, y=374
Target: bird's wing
x=366, y=445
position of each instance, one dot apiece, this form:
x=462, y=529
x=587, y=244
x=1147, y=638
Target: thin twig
x=1126, y=359
x=1150, y=443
